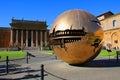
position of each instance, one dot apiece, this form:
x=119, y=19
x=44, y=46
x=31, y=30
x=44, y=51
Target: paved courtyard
x=99, y=69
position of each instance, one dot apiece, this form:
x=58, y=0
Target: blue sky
x=49, y=9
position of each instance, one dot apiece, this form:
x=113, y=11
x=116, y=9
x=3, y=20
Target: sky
x=48, y=10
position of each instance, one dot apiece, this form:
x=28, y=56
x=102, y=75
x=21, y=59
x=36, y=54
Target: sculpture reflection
x=78, y=40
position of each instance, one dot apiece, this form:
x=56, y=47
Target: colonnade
x=43, y=34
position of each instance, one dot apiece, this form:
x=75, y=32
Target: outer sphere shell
x=81, y=51
x=75, y=18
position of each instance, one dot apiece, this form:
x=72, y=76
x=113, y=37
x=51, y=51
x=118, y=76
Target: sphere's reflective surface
x=75, y=36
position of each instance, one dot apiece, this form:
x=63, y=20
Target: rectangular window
x=114, y=23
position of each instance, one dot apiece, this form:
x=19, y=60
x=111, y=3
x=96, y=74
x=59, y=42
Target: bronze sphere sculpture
x=75, y=36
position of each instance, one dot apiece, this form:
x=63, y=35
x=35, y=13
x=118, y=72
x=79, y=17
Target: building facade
x=111, y=26
x=29, y=33
x=26, y=33
x=4, y=37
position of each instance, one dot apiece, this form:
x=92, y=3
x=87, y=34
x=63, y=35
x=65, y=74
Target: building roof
x=26, y=21
x=28, y=24
x=106, y=13
x=4, y=28
x=111, y=16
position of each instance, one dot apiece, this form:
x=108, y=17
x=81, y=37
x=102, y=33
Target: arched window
x=114, y=23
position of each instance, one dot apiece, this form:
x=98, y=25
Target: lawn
x=106, y=53
x=13, y=55
x=48, y=51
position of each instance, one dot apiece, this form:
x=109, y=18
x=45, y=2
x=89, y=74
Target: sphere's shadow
x=101, y=63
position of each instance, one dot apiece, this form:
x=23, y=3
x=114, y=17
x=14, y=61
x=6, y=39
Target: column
x=41, y=42
x=21, y=37
x=26, y=38
x=11, y=37
x=36, y=38
x=45, y=37
x=16, y=37
x=32, y=38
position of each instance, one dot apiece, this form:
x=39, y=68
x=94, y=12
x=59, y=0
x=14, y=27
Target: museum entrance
x=29, y=38
x=29, y=42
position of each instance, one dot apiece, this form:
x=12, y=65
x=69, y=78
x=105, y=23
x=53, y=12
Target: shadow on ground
x=29, y=76
x=101, y=63
x=11, y=67
x=14, y=69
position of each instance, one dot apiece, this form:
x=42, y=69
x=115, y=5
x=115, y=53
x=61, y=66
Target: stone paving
x=99, y=69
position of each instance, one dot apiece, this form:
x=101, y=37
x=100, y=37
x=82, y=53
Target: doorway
x=29, y=42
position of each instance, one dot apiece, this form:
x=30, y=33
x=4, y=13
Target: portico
x=28, y=33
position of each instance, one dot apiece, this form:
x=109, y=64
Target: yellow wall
x=111, y=33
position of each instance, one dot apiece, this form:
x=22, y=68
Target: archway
x=115, y=40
